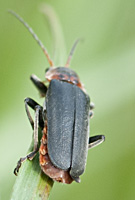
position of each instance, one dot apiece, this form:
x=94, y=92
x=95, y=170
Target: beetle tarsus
x=91, y=114
x=19, y=163
x=30, y=156
x=16, y=170
x=95, y=141
x=92, y=105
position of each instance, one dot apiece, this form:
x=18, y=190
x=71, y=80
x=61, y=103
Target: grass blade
x=32, y=183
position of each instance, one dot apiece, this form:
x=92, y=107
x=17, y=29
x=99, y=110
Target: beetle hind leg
x=95, y=141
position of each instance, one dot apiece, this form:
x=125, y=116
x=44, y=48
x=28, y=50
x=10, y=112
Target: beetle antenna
x=34, y=36
x=71, y=53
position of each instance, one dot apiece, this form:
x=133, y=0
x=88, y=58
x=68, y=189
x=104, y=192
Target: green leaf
x=31, y=182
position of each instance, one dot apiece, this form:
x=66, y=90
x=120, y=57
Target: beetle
x=64, y=120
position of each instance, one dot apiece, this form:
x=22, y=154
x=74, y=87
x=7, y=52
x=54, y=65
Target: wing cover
x=60, y=119
x=67, y=120
x=81, y=133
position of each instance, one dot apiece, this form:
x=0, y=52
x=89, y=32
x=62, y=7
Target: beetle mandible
x=64, y=120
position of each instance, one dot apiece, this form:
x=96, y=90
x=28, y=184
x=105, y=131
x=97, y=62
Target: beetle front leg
x=31, y=155
x=95, y=141
x=39, y=85
x=19, y=163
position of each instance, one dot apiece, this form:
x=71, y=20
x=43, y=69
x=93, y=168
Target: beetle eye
x=46, y=69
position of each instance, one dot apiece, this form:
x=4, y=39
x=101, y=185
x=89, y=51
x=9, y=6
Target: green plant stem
x=32, y=183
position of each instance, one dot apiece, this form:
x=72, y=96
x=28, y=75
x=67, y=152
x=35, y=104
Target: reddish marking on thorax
x=69, y=79
x=46, y=165
x=64, y=74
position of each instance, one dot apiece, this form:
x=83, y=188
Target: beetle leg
x=92, y=106
x=95, y=140
x=19, y=163
x=29, y=115
x=39, y=85
x=33, y=104
x=91, y=114
x=31, y=155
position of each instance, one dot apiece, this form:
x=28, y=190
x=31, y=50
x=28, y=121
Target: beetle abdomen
x=48, y=167
x=67, y=108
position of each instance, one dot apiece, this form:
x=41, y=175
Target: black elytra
x=67, y=111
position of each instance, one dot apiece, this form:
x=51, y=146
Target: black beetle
x=64, y=120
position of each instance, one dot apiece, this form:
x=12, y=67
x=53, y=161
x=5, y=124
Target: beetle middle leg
x=91, y=113
x=95, y=141
x=35, y=126
x=92, y=105
x=33, y=104
x=39, y=85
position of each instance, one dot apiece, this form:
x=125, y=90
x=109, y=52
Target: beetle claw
x=16, y=171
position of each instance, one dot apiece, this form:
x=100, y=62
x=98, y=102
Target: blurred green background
x=105, y=62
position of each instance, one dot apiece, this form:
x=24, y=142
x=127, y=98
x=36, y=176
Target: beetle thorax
x=63, y=74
